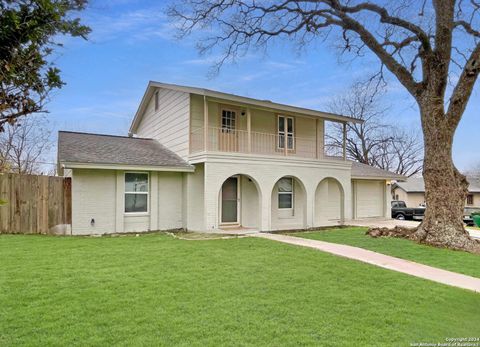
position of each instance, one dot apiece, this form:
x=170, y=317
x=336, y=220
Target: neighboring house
x=412, y=191
x=203, y=160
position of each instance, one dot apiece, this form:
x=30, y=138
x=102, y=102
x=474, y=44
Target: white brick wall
x=99, y=194
x=323, y=195
x=266, y=173
x=170, y=200
x=93, y=196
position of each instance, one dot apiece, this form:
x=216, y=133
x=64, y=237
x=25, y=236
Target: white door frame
x=238, y=221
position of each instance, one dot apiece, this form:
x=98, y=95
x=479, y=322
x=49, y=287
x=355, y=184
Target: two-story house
x=204, y=160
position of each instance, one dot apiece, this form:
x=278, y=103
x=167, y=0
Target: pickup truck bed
x=401, y=211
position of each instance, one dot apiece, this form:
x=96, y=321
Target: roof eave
x=114, y=166
x=234, y=98
x=387, y=178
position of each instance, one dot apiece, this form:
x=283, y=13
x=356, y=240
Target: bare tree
x=373, y=142
x=422, y=43
x=24, y=146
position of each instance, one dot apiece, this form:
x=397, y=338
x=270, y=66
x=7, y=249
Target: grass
x=157, y=290
x=461, y=262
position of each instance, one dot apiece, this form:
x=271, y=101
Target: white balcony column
x=344, y=141
x=249, y=130
x=205, y=123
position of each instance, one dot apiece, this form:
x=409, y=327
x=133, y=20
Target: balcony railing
x=242, y=141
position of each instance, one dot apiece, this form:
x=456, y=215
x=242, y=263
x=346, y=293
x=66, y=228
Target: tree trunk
x=445, y=187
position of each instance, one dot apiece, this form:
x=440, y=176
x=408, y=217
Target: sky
x=133, y=42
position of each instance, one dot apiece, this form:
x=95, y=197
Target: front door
x=228, y=131
x=230, y=201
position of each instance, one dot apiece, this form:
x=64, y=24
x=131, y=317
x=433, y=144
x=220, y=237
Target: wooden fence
x=35, y=204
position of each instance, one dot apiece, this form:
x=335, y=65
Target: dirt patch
x=312, y=230
x=185, y=235
x=399, y=232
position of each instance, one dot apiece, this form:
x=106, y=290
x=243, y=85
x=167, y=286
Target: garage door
x=369, y=199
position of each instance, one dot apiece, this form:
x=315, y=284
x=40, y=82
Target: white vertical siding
x=170, y=123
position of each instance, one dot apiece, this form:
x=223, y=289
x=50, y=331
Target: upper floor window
x=136, y=192
x=286, y=130
x=229, y=119
x=470, y=199
x=157, y=101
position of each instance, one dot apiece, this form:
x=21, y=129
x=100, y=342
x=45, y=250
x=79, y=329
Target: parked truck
x=402, y=212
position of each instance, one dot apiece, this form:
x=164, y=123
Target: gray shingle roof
x=363, y=170
x=74, y=147
x=416, y=185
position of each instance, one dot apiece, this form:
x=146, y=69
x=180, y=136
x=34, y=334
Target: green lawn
x=462, y=262
x=156, y=290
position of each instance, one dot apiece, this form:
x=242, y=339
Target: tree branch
x=463, y=89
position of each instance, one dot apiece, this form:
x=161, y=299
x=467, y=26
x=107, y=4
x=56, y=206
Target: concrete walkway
x=396, y=264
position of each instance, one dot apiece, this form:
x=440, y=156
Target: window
x=285, y=192
x=286, y=129
x=136, y=192
x=470, y=199
x=157, y=101
x=228, y=121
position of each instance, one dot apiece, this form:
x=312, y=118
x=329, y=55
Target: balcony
x=252, y=142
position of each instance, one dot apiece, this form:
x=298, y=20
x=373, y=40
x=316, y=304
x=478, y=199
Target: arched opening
x=239, y=203
x=329, y=202
x=289, y=204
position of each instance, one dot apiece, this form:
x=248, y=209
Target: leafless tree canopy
x=375, y=141
x=24, y=146
x=425, y=44
x=405, y=34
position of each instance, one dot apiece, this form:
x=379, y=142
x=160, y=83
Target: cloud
x=203, y=61
x=129, y=26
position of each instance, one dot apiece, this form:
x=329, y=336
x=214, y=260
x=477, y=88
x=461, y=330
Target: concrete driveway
x=392, y=223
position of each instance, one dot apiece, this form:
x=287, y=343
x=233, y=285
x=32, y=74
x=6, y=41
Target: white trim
x=377, y=178
x=69, y=165
x=223, y=157
x=147, y=193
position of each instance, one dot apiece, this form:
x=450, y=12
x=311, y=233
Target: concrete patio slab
x=396, y=264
